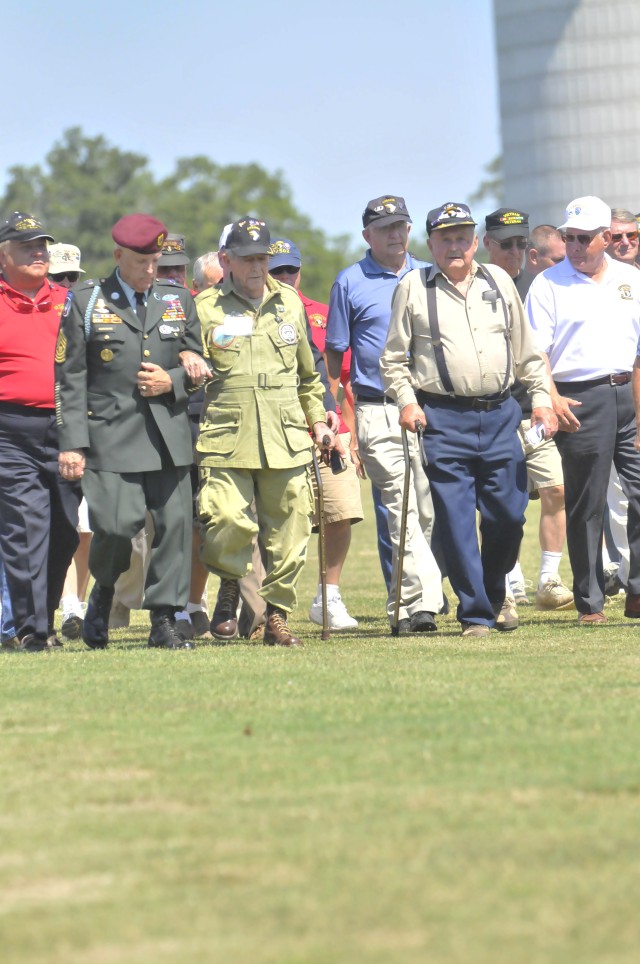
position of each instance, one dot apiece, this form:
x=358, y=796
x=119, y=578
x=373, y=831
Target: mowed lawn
x=366, y=799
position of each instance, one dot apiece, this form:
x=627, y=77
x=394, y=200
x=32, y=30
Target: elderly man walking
x=586, y=312
x=457, y=339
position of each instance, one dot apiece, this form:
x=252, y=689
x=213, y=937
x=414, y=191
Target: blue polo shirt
x=359, y=316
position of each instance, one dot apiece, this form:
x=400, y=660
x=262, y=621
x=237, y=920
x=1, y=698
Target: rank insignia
x=61, y=347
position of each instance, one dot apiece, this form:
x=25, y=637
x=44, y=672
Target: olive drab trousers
x=283, y=504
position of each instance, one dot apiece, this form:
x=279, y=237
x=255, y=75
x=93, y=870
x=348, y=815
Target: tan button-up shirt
x=472, y=331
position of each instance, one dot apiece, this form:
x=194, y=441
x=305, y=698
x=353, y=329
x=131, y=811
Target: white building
x=569, y=83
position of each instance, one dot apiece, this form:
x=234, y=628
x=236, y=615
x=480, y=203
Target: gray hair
x=200, y=266
x=621, y=214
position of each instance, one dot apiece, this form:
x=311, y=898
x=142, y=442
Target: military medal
x=106, y=354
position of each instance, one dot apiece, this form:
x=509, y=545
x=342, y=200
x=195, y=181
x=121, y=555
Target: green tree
x=85, y=185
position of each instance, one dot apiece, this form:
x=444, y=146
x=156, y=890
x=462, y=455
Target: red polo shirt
x=317, y=315
x=28, y=335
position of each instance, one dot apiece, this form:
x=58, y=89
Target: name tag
x=235, y=325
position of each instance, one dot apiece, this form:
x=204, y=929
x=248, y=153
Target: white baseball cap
x=587, y=214
x=64, y=257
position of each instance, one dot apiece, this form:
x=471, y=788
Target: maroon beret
x=139, y=232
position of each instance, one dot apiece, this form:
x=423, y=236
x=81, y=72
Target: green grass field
x=361, y=800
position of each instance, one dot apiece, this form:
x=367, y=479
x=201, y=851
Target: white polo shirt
x=587, y=328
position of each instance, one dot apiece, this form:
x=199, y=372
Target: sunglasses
x=519, y=243
x=71, y=276
x=583, y=239
x=284, y=269
x=629, y=235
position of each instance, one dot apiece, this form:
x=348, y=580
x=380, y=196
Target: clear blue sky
x=348, y=100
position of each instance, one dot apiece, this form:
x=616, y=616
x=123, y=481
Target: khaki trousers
x=380, y=447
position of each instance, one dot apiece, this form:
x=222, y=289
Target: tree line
x=85, y=185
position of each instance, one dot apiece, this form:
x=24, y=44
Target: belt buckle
x=262, y=380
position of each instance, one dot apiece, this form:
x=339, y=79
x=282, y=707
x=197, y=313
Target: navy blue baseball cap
x=449, y=215
x=22, y=227
x=283, y=252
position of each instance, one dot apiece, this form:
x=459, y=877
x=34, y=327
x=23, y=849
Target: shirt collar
x=129, y=291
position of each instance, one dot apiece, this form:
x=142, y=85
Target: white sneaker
x=338, y=617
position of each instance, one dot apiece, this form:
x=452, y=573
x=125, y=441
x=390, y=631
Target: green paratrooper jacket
x=101, y=346
x=264, y=382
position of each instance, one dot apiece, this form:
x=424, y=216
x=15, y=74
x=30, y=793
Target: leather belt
x=374, y=400
x=619, y=378
x=473, y=403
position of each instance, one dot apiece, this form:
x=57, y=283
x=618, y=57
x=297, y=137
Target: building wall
x=569, y=81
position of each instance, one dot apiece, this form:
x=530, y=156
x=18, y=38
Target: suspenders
x=434, y=329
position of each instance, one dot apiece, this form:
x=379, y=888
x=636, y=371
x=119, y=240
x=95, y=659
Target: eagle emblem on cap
x=390, y=206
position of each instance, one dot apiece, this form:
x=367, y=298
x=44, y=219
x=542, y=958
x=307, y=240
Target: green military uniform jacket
x=101, y=346
x=264, y=382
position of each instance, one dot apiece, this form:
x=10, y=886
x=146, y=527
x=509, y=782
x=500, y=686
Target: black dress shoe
x=95, y=627
x=422, y=622
x=33, y=644
x=164, y=634
x=404, y=627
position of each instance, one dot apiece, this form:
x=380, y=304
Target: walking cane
x=326, y=441
x=403, y=524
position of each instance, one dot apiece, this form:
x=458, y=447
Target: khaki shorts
x=544, y=465
x=340, y=493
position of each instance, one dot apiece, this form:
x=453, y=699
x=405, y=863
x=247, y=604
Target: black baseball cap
x=174, y=251
x=22, y=227
x=385, y=210
x=248, y=236
x=507, y=223
x=449, y=215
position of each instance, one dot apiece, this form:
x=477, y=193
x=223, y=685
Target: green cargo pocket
x=295, y=432
x=219, y=431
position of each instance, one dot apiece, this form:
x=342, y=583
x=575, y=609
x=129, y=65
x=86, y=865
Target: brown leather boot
x=224, y=622
x=276, y=631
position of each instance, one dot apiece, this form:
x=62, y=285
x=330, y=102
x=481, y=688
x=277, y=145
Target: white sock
x=549, y=565
x=332, y=592
x=195, y=607
x=71, y=604
x=516, y=575
x=183, y=614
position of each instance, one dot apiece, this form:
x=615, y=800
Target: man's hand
x=333, y=421
x=357, y=461
x=153, y=380
x=547, y=417
x=323, y=436
x=411, y=416
x=195, y=367
x=71, y=464
x=567, y=422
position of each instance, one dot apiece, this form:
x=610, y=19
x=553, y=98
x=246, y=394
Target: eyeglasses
x=284, y=269
x=70, y=276
x=519, y=243
x=629, y=235
x=583, y=239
